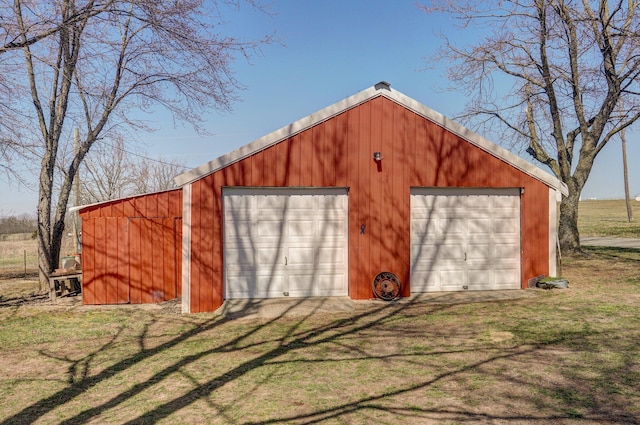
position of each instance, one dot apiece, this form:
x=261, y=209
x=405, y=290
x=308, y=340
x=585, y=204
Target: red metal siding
x=135, y=260
x=132, y=249
x=88, y=261
x=339, y=152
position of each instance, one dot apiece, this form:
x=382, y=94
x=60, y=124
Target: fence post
x=25, y=264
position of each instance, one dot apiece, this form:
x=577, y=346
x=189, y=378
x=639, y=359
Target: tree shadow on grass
x=298, y=334
x=617, y=253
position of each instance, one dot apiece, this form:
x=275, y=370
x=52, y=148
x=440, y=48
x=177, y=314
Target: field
x=608, y=218
x=18, y=256
x=568, y=356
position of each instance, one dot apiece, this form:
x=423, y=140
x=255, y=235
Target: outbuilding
x=131, y=249
x=375, y=183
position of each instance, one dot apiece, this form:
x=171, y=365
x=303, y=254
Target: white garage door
x=285, y=242
x=465, y=239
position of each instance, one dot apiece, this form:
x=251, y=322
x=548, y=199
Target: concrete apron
x=611, y=242
x=295, y=307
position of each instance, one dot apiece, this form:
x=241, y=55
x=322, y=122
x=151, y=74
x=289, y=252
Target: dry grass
x=15, y=255
x=562, y=356
x=20, y=256
x=608, y=218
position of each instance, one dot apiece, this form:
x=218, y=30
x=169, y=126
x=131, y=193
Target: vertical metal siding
x=339, y=152
x=123, y=270
x=88, y=261
x=135, y=260
x=131, y=249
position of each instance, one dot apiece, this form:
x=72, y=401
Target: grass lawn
x=567, y=356
x=608, y=218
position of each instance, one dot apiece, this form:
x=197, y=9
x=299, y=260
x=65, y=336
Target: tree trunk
x=568, y=226
x=48, y=243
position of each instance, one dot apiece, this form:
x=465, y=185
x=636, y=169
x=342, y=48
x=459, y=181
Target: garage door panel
x=424, y=227
x=331, y=203
x=320, y=284
x=506, y=251
x=238, y=204
x=451, y=226
x=269, y=228
x=301, y=284
x=269, y=257
x=331, y=284
x=332, y=228
x=239, y=256
x=239, y=228
x=481, y=227
x=505, y=277
x=298, y=237
x=301, y=256
x=506, y=225
x=481, y=251
x=272, y=203
x=439, y=239
x=250, y=285
x=302, y=203
x=425, y=281
x=428, y=256
x=452, y=280
x=332, y=256
x=505, y=201
x=480, y=279
x=298, y=228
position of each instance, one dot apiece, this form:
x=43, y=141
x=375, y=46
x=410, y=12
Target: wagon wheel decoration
x=386, y=286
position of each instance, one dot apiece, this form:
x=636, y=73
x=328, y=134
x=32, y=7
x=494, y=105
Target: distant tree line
x=23, y=223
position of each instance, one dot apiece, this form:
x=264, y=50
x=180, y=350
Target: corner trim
x=553, y=231
x=186, y=248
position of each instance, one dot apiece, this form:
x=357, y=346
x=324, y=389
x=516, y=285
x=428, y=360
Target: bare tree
x=12, y=37
x=110, y=172
x=153, y=175
x=99, y=61
x=106, y=173
x=549, y=75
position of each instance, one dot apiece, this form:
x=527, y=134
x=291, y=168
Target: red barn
x=374, y=183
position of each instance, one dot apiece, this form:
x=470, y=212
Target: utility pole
x=626, y=175
x=76, y=192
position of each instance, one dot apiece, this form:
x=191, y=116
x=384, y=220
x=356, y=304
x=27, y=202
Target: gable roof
x=381, y=89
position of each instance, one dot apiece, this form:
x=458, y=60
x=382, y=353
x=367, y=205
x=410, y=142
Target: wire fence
x=18, y=256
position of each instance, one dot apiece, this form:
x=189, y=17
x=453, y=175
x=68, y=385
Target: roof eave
x=479, y=141
x=124, y=198
x=276, y=137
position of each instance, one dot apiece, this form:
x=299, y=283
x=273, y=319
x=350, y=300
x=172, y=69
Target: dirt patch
x=25, y=300
x=26, y=293
x=497, y=336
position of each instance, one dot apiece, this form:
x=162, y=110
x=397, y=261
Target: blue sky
x=329, y=50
